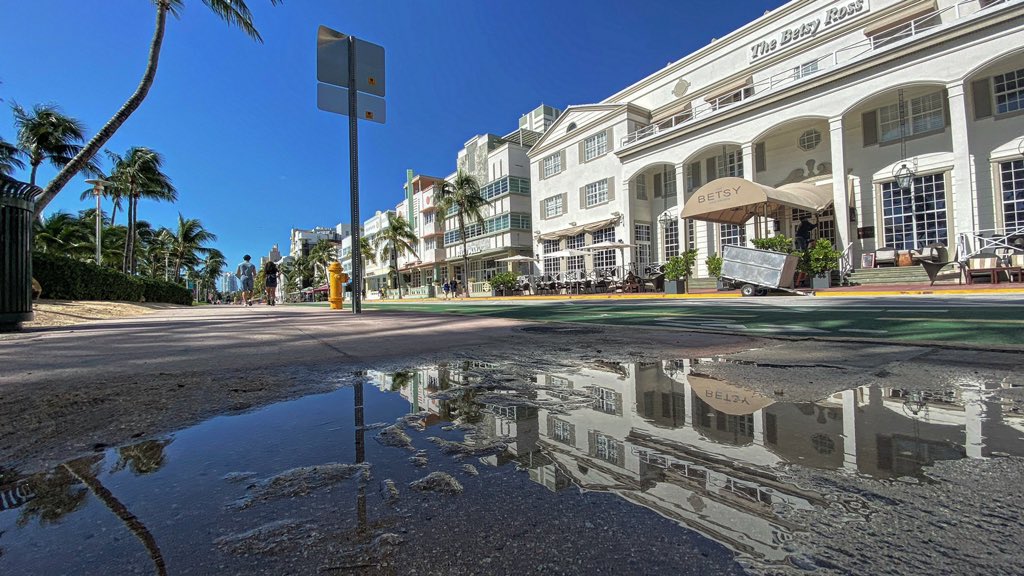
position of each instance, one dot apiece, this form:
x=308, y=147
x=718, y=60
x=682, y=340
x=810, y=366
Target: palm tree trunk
x=465, y=255
x=135, y=224
x=127, y=238
x=131, y=521
x=32, y=178
x=398, y=275
x=93, y=147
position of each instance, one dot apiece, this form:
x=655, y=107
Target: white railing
x=834, y=59
x=989, y=240
x=846, y=262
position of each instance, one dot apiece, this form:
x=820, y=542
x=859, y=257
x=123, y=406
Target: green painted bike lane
x=996, y=325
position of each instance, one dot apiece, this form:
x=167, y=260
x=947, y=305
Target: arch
x=1005, y=55
x=630, y=176
x=892, y=89
x=788, y=122
x=716, y=147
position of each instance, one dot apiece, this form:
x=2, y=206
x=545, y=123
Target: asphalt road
x=995, y=321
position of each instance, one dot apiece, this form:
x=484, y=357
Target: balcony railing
x=841, y=56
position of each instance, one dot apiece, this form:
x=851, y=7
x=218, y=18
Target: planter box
x=675, y=287
x=821, y=282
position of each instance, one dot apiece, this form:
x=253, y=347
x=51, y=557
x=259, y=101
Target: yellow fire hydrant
x=337, y=281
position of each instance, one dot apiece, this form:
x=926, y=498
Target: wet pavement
x=638, y=467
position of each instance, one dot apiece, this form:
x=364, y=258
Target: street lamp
x=904, y=177
x=97, y=191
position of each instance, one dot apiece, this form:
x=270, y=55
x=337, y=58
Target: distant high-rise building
x=540, y=118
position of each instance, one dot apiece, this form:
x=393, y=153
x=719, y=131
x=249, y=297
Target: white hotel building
x=807, y=94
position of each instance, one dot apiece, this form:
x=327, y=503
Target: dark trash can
x=17, y=209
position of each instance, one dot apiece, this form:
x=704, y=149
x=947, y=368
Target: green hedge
x=65, y=278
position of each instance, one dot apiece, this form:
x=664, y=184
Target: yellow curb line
x=919, y=292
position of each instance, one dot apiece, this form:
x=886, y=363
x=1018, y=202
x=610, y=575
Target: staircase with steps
x=898, y=275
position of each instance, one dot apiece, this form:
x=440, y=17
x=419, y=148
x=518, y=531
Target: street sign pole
x=353, y=167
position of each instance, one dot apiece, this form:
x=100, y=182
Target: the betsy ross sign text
x=798, y=32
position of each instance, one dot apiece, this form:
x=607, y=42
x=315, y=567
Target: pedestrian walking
x=455, y=288
x=270, y=280
x=803, y=232
x=246, y=272
x=446, y=287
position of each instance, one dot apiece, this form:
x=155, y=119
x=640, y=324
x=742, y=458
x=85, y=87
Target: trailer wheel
x=748, y=290
x=762, y=291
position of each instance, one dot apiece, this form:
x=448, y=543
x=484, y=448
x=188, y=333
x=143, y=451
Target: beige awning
x=735, y=200
x=726, y=398
x=900, y=17
x=574, y=230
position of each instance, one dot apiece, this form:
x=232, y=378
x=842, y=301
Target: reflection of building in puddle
x=701, y=451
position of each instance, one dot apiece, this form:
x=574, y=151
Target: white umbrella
x=565, y=253
x=608, y=245
x=517, y=258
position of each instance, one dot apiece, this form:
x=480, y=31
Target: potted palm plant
x=714, y=264
x=678, y=270
x=821, y=259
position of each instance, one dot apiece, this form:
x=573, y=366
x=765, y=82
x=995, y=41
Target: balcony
x=846, y=55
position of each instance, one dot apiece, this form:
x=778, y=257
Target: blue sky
x=246, y=147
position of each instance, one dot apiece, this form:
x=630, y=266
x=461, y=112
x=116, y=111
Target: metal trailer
x=758, y=271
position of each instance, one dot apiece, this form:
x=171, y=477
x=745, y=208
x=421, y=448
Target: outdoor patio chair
x=983, y=266
x=885, y=255
x=934, y=252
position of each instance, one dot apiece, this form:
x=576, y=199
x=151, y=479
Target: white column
x=850, y=430
x=840, y=194
x=688, y=410
x=756, y=223
x=759, y=427
x=974, y=413
x=965, y=218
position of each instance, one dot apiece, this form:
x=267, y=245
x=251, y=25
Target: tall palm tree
x=462, y=195
x=394, y=240
x=189, y=244
x=136, y=175
x=64, y=234
x=46, y=134
x=321, y=255
x=9, y=160
x=234, y=12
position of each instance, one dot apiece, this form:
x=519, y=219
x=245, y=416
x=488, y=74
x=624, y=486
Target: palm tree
x=112, y=192
x=46, y=134
x=234, y=12
x=64, y=234
x=394, y=240
x=9, y=161
x=189, y=243
x=138, y=175
x=462, y=195
x=321, y=255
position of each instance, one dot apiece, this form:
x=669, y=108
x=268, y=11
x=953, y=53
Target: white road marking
x=864, y=331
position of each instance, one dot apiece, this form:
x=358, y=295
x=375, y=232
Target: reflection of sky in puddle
x=699, y=452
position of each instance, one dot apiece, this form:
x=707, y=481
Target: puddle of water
x=638, y=467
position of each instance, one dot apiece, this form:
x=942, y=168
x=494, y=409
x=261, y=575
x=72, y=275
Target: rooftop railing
x=834, y=59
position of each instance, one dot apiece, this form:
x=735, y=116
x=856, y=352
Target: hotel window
x=917, y=217
x=554, y=206
x=805, y=69
x=428, y=218
x=809, y=140
x=596, y=193
x=733, y=235
x=1009, y=89
x=552, y=246
x=726, y=164
x=604, y=258
x=552, y=164
x=642, y=234
x=575, y=263
x=607, y=448
x=671, y=238
x=669, y=182
x=595, y=146
x=641, y=187
x=923, y=114
x=732, y=98
x=563, y=432
x=430, y=244
x=691, y=234
x=1012, y=178
x=607, y=400
x=692, y=176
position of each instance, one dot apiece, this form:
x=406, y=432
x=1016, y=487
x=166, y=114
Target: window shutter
x=611, y=189
x=869, y=121
x=712, y=169
x=657, y=185
x=583, y=197
x=608, y=139
x=565, y=203
x=543, y=213
x=981, y=90
x=760, y=161
x=591, y=442
x=945, y=109
x=540, y=171
x=581, y=156
x=562, y=165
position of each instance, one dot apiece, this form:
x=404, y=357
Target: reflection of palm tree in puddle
x=84, y=471
x=54, y=496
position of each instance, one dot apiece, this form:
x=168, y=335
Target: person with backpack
x=246, y=272
x=446, y=287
